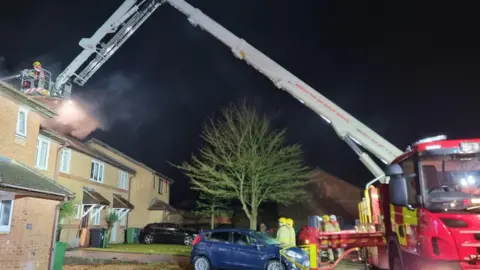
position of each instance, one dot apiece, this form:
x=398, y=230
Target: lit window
x=42, y=154
x=22, y=122
x=123, y=180
x=6, y=209
x=96, y=172
x=65, y=160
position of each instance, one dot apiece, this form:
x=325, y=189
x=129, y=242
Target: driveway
x=123, y=256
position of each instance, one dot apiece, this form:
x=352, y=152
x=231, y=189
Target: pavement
x=157, y=258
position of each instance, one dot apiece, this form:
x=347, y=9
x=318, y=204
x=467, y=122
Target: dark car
x=244, y=249
x=167, y=233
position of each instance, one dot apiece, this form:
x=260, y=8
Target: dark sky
x=407, y=69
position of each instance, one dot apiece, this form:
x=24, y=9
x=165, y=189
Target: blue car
x=244, y=249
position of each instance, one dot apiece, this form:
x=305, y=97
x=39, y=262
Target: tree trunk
x=253, y=221
x=212, y=221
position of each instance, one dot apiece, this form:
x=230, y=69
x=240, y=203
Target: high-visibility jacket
x=293, y=236
x=329, y=227
x=283, y=235
x=336, y=226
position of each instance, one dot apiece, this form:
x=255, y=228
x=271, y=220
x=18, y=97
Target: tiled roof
x=157, y=204
x=120, y=202
x=93, y=197
x=112, y=149
x=85, y=149
x=18, y=176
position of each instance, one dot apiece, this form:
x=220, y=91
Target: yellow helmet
x=36, y=63
x=290, y=221
x=282, y=220
x=326, y=218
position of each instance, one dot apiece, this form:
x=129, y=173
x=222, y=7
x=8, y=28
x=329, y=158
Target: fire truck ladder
x=129, y=17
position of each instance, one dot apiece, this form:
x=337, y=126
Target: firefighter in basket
x=329, y=227
x=283, y=234
x=38, y=75
x=291, y=232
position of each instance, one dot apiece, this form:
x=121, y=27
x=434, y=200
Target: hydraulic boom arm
x=129, y=16
x=352, y=131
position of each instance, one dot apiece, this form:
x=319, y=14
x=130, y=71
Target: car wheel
x=188, y=240
x=201, y=263
x=274, y=265
x=148, y=239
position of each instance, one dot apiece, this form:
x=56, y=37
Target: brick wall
x=28, y=248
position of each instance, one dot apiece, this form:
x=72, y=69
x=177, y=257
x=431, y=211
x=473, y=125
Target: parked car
x=244, y=249
x=167, y=233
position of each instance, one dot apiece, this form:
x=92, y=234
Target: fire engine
x=424, y=205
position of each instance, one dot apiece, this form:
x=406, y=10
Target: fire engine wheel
x=397, y=265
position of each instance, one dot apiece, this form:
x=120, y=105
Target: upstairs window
x=65, y=160
x=123, y=180
x=160, y=186
x=42, y=155
x=22, y=122
x=96, y=172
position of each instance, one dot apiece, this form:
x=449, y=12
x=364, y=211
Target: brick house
x=101, y=180
x=29, y=200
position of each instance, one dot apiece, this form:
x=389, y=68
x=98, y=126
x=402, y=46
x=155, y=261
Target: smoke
x=111, y=101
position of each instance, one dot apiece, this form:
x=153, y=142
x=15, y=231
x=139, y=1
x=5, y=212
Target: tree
x=212, y=207
x=66, y=210
x=244, y=158
x=110, y=219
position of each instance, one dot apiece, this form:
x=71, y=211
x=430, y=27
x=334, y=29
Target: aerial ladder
x=133, y=13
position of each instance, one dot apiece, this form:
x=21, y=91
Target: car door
x=245, y=253
x=219, y=249
x=168, y=233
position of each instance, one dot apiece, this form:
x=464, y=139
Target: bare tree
x=244, y=158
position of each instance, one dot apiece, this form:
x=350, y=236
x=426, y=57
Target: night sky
x=407, y=70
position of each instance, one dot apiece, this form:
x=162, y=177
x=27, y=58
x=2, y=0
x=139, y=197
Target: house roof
x=157, y=204
x=93, y=197
x=120, y=202
x=112, y=149
x=85, y=149
x=18, y=95
x=15, y=175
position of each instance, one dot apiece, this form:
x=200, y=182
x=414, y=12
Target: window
x=409, y=172
x=96, y=215
x=96, y=172
x=160, y=186
x=123, y=180
x=167, y=187
x=123, y=220
x=6, y=209
x=65, y=160
x=22, y=122
x=219, y=237
x=78, y=211
x=43, y=149
x=240, y=239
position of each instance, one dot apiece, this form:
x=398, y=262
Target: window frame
x=96, y=219
x=408, y=178
x=160, y=186
x=78, y=211
x=17, y=129
x=122, y=175
x=92, y=172
x=7, y=197
x=62, y=153
x=42, y=139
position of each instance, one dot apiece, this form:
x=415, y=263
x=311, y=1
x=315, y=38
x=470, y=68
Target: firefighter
x=329, y=227
x=283, y=232
x=292, y=234
x=336, y=228
x=38, y=75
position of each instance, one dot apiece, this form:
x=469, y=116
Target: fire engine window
x=409, y=172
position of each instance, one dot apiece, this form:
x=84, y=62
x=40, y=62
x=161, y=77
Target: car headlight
x=293, y=254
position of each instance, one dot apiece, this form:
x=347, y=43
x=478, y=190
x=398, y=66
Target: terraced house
x=28, y=199
x=98, y=177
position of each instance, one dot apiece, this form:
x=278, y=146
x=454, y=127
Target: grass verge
x=175, y=250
